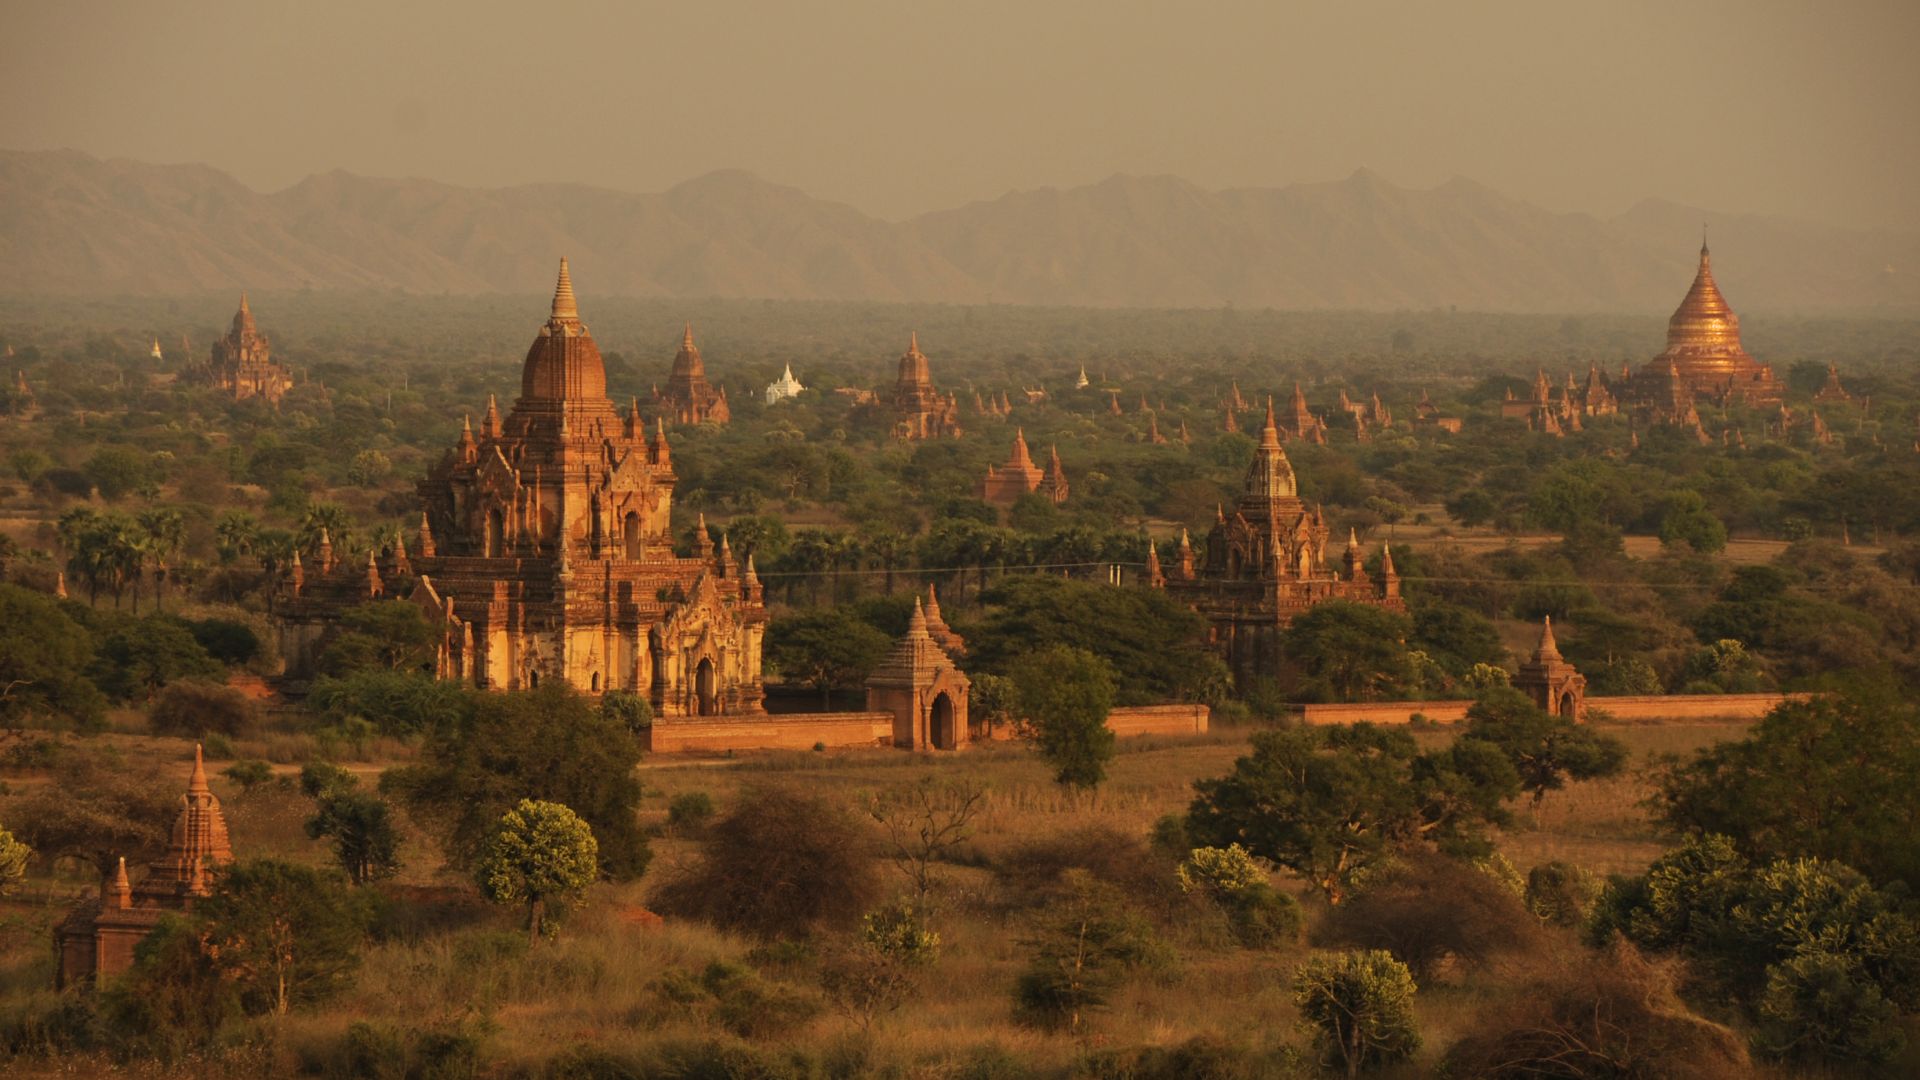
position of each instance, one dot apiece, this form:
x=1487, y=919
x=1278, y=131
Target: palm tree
x=237, y=531
x=161, y=533
x=333, y=519
x=890, y=548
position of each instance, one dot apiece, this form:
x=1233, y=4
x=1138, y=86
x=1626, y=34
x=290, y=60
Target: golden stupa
x=1704, y=350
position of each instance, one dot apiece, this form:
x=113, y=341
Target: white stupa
x=786, y=386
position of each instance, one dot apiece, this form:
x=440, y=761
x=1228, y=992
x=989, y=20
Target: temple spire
x=1548, y=649
x=686, y=338
x=565, y=308
x=122, y=888
x=197, y=783
x=1270, y=433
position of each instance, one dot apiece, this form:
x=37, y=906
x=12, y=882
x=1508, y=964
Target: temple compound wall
x=1648, y=707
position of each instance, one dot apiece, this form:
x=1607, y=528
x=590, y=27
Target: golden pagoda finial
x=564, y=306
x=686, y=339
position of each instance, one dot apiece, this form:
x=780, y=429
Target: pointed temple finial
x=1548, y=647
x=1353, y=540
x=933, y=602
x=917, y=627
x=197, y=783
x=913, y=341
x=686, y=338
x=564, y=306
x=122, y=888
x=243, y=300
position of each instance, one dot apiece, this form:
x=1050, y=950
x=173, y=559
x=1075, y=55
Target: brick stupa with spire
x=97, y=938
x=688, y=397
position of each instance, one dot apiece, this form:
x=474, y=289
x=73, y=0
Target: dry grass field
x=458, y=966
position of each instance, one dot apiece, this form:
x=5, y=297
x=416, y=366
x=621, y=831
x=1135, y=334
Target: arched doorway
x=706, y=695
x=496, y=534
x=630, y=534
x=596, y=682
x=1567, y=707
x=940, y=723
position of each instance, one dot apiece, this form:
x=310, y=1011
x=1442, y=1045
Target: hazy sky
x=1804, y=108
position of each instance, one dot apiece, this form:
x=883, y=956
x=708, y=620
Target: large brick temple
x=1266, y=562
x=242, y=361
x=689, y=398
x=545, y=552
x=919, y=409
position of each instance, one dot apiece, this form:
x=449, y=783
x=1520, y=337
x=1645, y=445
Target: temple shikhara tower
x=242, y=362
x=1704, y=358
x=689, y=398
x=920, y=411
x=1549, y=680
x=545, y=553
x=1266, y=562
x=1004, y=484
x=96, y=940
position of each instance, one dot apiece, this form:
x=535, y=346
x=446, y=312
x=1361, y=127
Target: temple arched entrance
x=940, y=730
x=1568, y=706
x=706, y=690
x=630, y=534
x=496, y=537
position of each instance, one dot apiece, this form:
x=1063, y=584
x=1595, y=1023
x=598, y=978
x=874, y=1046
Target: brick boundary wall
x=780, y=731
x=837, y=731
x=1637, y=707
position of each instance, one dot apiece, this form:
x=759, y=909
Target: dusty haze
x=1781, y=108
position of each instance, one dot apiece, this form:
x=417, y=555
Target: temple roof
x=915, y=658
x=564, y=364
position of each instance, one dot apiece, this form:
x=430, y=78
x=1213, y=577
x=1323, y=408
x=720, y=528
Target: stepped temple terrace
x=1266, y=562
x=97, y=938
x=242, y=361
x=544, y=551
x=1005, y=484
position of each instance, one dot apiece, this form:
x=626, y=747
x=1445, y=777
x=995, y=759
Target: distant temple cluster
x=97, y=938
x=242, y=361
x=1266, y=563
x=1005, y=484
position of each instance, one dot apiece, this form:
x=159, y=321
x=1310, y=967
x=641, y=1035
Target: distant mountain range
x=71, y=224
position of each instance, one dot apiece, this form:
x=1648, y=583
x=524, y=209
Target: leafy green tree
x=117, y=470
x=1830, y=777
x=1456, y=638
x=1080, y=953
x=95, y=809
x=386, y=635
x=1155, y=645
x=1359, y=1006
x=828, y=649
x=1546, y=749
x=13, y=862
x=43, y=655
x=1327, y=803
x=1687, y=521
x=193, y=709
x=368, y=468
x=992, y=701
x=284, y=934
x=237, y=532
x=1064, y=697
x=541, y=853
x=1259, y=915
x=162, y=533
x=550, y=744
x=175, y=1000
x=628, y=708
x=248, y=774
x=365, y=842
x=1351, y=652
x=397, y=703
x=136, y=658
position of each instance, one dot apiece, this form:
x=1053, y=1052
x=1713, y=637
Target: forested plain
x=1634, y=898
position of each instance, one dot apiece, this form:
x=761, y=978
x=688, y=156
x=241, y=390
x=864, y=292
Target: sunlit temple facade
x=1265, y=562
x=1704, y=359
x=544, y=551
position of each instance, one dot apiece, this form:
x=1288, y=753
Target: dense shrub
x=227, y=640
x=1032, y=873
x=734, y=998
x=1427, y=909
x=1561, y=893
x=1259, y=915
x=1597, y=1017
x=192, y=709
x=689, y=811
x=779, y=863
x=1203, y=1057
x=1080, y=951
x=1359, y=1006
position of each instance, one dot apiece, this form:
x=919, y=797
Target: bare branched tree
x=924, y=824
